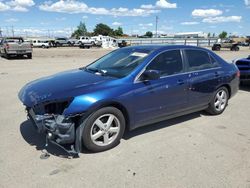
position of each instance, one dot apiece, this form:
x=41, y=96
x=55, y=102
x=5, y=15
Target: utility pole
x=1, y=32
x=12, y=31
x=156, y=25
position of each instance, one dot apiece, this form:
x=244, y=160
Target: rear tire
x=7, y=56
x=103, y=129
x=29, y=56
x=219, y=102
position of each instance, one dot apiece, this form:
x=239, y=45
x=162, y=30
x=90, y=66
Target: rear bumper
x=58, y=129
x=18, y=52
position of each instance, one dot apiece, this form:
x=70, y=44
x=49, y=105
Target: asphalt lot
x=196, y=150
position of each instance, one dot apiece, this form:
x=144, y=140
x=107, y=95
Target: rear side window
x=168, y=63
x=199, y=60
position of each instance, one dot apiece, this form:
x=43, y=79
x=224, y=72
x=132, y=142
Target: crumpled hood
x=59, y=86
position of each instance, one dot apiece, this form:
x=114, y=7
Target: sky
x=60, y=17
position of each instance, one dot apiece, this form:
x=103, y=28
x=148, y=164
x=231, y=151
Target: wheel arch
x=120, y=107
x=228, y=89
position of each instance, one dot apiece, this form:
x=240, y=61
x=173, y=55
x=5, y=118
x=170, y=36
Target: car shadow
x=16, y=57
x=32, y=137
x=163, y=124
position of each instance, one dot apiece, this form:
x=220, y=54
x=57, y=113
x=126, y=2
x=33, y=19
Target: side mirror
x=151, y=75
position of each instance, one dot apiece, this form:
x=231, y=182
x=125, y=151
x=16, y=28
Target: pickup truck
x=228, y=43
x=15, y=46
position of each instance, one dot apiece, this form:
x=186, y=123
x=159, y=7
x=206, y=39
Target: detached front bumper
x=58, y=129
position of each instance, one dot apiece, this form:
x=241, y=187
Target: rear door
x=205, y=75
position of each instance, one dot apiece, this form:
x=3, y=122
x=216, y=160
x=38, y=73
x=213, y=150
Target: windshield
x=119, y=63
x=17, y=40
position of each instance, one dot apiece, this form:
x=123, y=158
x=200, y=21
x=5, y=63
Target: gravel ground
x=196, y=150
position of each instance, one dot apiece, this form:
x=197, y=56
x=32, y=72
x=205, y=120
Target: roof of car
x=164, y=47
x=244, y=59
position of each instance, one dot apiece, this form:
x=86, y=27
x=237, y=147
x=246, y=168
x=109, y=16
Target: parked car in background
x=122, y=44
x=85, y=42
x=72, y=42
x=244, y=44
x=15, y=46
x=59, y=42
x=40, y=43
x=105, y=41
x=126, y=89
x=244, y=67
x=228, y=43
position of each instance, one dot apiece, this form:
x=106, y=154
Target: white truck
x=15, y=46
x=40, y=43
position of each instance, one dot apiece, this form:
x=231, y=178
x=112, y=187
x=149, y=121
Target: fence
x=170, y=41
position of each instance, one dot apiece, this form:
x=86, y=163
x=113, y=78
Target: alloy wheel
x=105, y=130
x=220, y=101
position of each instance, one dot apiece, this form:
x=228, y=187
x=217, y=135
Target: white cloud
x=21, y=3
x=85, y=17
x=3, y=7
x=165, y=4
x=222, y=19
x=189, y=23
x=74, y=6
x=160, y=4
x=206, y=12
x=20, y=9
x=247, y=2
x=146, y=25
x=116, y=23
x=16, y=5
x=147, y=6
x=11, y=20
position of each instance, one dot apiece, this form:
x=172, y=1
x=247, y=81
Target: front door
x=156, y=99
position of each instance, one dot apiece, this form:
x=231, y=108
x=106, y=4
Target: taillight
x=238, y=74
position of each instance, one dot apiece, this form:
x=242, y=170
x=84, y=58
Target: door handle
x=180, y=82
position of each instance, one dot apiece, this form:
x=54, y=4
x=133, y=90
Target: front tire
x=219, y=102
x=103, y=129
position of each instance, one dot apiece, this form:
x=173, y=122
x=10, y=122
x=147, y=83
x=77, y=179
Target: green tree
x=209, y=35
x=118, y=32
x=223, y=35
x=80, y=31
x=148, y=34
x=103, y=29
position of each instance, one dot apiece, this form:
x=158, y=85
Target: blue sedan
x=244, y=67
x=126, y=89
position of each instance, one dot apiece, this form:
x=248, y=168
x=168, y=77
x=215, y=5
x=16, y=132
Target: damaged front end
x=59, y=129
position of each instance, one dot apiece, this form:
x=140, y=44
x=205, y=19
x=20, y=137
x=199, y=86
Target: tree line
x=105, y=30
x=100, y=29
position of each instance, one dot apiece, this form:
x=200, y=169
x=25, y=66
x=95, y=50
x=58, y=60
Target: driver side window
x=167, y=63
